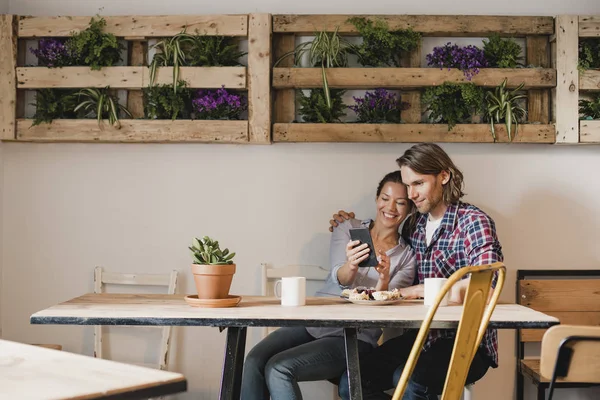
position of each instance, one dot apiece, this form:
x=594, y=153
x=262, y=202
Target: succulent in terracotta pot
x=212, y=268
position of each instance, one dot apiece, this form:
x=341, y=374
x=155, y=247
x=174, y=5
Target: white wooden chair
x=102, y=277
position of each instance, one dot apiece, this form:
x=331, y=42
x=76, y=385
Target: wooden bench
x=572, y=296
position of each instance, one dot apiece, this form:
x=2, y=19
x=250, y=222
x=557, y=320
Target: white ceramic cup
x=432, y=287
x=292, y=290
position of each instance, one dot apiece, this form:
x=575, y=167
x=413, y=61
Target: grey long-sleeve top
x=402, y=272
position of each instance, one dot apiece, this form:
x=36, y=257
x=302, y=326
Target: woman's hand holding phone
x=356, y=254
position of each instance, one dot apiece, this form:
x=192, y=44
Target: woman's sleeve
x=404, y=273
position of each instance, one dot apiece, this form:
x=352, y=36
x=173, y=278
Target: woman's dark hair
x=393, y=177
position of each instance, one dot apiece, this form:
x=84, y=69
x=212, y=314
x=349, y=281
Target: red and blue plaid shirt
x=466, y=236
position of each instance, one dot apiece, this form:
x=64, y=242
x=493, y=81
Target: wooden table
x=32, y=372
x=163, y=310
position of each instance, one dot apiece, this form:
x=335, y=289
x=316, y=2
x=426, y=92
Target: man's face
x=426, y=191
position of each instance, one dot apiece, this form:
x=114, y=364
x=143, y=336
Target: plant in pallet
x=502, y=53
x=218, y=104
x=170, y=53
x=212, y=268
x=469, y=59
x=100, y=104
x=52, y=53
x=380, y=46
x=378, y=107
x=162, y=102
x=502, y=106
x=453, y=103
x=213, y=51
x=589, y=53
x=590, y=109
x=51, y=104
x=93, y=47
x=314, y=107
x=327, y=50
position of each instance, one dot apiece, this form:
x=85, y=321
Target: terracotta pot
x=213, y=281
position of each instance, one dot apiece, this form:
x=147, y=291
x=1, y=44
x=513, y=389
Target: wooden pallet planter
x=589, y=80
x=137, y=30
x=411, y=78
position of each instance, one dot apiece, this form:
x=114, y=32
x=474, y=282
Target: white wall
x=69, y=207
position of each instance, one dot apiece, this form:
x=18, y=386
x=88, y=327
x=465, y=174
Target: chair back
x=476, y=314
x=571, y=353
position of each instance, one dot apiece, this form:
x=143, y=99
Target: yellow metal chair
x=471, y=328
x=570, y=353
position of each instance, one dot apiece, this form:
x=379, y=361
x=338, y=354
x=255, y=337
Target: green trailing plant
x=213, y=51
x=206, y=251
x=162, y=102
x=99, y=103
x=502, y=106
x=590, y=109
x=51, y=104
x=589, y=53
x=502, y=52
x=327, y=50
x=170, y=52
x=380, y=46
x=93, y=47
x=314, y=107
x=453, y=103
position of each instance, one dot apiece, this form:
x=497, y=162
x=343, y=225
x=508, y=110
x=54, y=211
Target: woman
x=294, y=354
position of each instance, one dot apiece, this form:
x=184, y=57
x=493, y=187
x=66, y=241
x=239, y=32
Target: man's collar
x=449, y=219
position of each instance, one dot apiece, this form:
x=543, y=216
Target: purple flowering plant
x=468, y=59
x=379, y=106
x=52, y=53
x=218, y=104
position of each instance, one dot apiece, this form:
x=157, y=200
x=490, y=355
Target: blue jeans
x=290, y=355
x=381, y=369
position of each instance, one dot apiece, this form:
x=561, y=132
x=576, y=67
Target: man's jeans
x=381, y=369
x=291, y=355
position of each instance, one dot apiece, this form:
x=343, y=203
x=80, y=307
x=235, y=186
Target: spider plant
x=100, y=103
x=170, y=53
x=327, y=49
x=502, y=106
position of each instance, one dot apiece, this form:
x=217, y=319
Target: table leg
x=231, y=379
x=352, y=365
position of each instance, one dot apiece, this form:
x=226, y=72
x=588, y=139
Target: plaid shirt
x=466, y=236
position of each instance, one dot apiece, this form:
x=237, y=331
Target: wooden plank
x=538, y=101
x=8, y=78
x=162, y=309
x=561, y=294
x=413, y=114
x=33, y=372
x=407, y=133
x=569, y=318
x=429, y=25
x=259, y=77
x=403, y=78
x=589, y=80
x=589, y=25
x=137, y=26
x=284, y=103
x=128, y=77
x=138, y=57
x=589, y=131
x=135, y=130
x=567, y=80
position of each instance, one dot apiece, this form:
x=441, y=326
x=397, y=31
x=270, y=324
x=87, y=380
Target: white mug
x=292, y=291
x=432, y=287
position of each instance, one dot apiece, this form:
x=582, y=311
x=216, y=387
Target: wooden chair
x=102, y=277
x=570, y=354
x=471, y=328
x=572, y=296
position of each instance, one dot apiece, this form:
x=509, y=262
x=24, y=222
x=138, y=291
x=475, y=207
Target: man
x=446, y=235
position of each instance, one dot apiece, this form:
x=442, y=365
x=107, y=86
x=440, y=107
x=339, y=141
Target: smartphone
x=364, y=236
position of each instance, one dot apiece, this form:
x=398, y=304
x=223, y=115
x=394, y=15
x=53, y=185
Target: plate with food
x=372, y=297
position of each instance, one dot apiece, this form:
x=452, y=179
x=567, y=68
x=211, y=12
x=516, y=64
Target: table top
x=33, y=372
x=162, y=310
